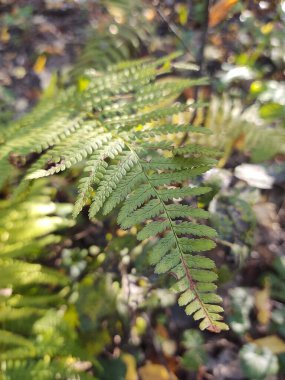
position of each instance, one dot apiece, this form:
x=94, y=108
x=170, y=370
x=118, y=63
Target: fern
x=110, y=127
x=116, y=41
x=35, y=340
x=240, y=128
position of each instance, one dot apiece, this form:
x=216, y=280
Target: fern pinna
x=121, y=124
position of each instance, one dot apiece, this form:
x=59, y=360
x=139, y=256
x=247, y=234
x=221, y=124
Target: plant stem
x=200, y=63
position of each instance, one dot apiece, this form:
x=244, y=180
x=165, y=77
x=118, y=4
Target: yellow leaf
x=140, y=325
x=219, y=11
x=40, y=64
x=256, y=87
x=267, y=28
x=166, y=66
x=83, y=84
x=182, y=11
x=272, y=342
x=155, y=372
x=4, y=34
x=263, y=305
x=131, y=364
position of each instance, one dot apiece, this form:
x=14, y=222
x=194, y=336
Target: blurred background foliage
x=79, y=301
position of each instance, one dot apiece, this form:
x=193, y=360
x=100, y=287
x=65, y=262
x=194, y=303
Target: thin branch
x=200, y=56
x=200, y=63
x=173, y=28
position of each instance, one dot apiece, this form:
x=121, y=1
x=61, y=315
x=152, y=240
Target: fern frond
x=35, y=340
x=121, y=113
x=115, y=42
x=111, y=179
x=96, y=168
x=240, y=128
x=132, y=179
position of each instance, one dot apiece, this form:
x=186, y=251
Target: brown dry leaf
x=239, y=142
x=131, y=364
x=161, y=331
x=152, y=371
x=272, y=342
x=263, y=304
x=219, y=11
x=188, y=93
x=216, y=40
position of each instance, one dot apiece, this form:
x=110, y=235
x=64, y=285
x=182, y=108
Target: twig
x=200, y=56
x=172, y=27
x=200, y=63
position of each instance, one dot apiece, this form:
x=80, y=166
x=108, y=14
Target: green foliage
x=117, y=41
x=241, y=129
x=110, y=126
x=241, y=305
x=19, y=18
x=276, y=279
x=195, y=354
x=278, y=320
x=272, y=111
x=234, y=219
x=258, y=363
x=36, y=340
x=113, y=369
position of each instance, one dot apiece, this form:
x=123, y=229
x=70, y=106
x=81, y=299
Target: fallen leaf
x=255, y=175
x=272, y=342
x=263, y=304
x=153, y=371
x=4, y=34
x=40, y=64
x=182, y=11
x=267, y=28
x=131, y=364
x=219, y=11
x=239, y=142
x=162, y=331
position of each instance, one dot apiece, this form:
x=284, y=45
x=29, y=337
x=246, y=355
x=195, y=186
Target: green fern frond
x=43, y=369
x=121, y=127
x=35, y=339
x=115, y=42
x=240, y=128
